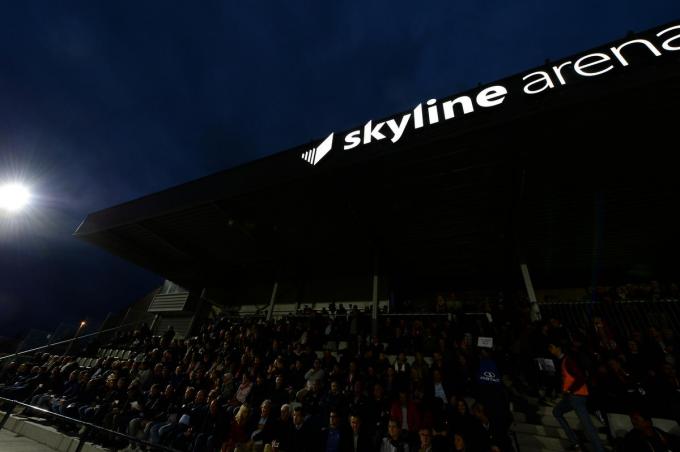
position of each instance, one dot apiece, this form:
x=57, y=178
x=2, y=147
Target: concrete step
x=529, y=442
x=550, y=421
x=542, y=430
x=534, y=443
x=46, y=435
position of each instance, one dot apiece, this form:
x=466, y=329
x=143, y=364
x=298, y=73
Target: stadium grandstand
x=491, y=271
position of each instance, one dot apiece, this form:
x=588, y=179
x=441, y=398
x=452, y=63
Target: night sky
x=103, y=102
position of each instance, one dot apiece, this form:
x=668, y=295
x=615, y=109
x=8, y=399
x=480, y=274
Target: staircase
x=537, y=429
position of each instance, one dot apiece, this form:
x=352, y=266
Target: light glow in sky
x=14, y=197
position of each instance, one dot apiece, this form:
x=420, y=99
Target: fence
x=624, y=317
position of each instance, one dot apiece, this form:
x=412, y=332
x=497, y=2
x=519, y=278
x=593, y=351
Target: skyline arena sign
x=618, y=57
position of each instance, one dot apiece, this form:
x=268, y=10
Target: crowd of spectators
x=246, y=383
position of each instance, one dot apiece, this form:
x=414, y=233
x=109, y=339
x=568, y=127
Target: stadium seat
x=470, y=401
x=391, y=359
x=410, y=359
x=667, y=425
x=331, y=345
x=342, y=345
x=127, y=354
x=428, y=360
x=619, y=425
x=319, y=354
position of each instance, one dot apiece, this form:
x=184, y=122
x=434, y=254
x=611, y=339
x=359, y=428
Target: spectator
x=358, y=439
x=645, y=437
x=394, y=441
x=262, y=428
x=332, y=438
x=574, y=395
x=405, y=412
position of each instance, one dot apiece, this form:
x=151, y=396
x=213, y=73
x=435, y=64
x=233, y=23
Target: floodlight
x=14, y=197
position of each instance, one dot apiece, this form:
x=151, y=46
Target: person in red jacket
x=406, y=413
x=574, y=396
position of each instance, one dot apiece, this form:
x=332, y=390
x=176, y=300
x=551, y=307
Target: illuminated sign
x=436, y=111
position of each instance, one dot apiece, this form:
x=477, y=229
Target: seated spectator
x=645, y=437
x=425, y=440
x=305, y=436
x=357, y=439
x=395, y=440
x=460, y=444
x=262, y=426
x=316, y=373
x=405, y=412
x=244, y=389
x=459, y=417
x=487, y=435
x=333, y=437
x=237, y=431
x=283, y=429
x=212, y=433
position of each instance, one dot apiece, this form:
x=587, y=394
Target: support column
x=534, y=310
x=272, y=301
x=374, y=312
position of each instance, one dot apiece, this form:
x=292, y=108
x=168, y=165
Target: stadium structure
x=561, y=174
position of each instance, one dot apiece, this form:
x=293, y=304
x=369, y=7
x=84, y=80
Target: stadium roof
x=567, y=167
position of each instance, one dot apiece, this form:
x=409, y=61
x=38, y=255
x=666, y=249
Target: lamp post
x=80, y=328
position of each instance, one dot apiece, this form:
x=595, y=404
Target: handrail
x=88, y=425
x=42, y=347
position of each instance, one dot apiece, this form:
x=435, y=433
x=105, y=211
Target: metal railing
x=89, y=428
x=624, y=317
x=67, y=341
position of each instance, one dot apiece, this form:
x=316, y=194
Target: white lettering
x=373, y=132
x=432, y=114
x=542, y=78
x=580, y=65
x=418, y=116
x=558, y=72
x=463, y=101
x=398, y=129
x=352, y=139
x=491, y=96
x=667, y=43
x=617, y=50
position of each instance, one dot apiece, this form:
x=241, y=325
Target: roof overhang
x=575, y=179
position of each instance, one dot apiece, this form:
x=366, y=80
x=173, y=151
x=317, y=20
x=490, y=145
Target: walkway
x=10, y=442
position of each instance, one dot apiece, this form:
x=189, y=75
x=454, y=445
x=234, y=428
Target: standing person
x=574, y=396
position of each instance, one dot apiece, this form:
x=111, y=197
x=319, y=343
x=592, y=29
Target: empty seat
x=331, y=345
x=342, y=345
x=410, y=359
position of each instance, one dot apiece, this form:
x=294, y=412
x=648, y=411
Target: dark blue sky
x=103, y=102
